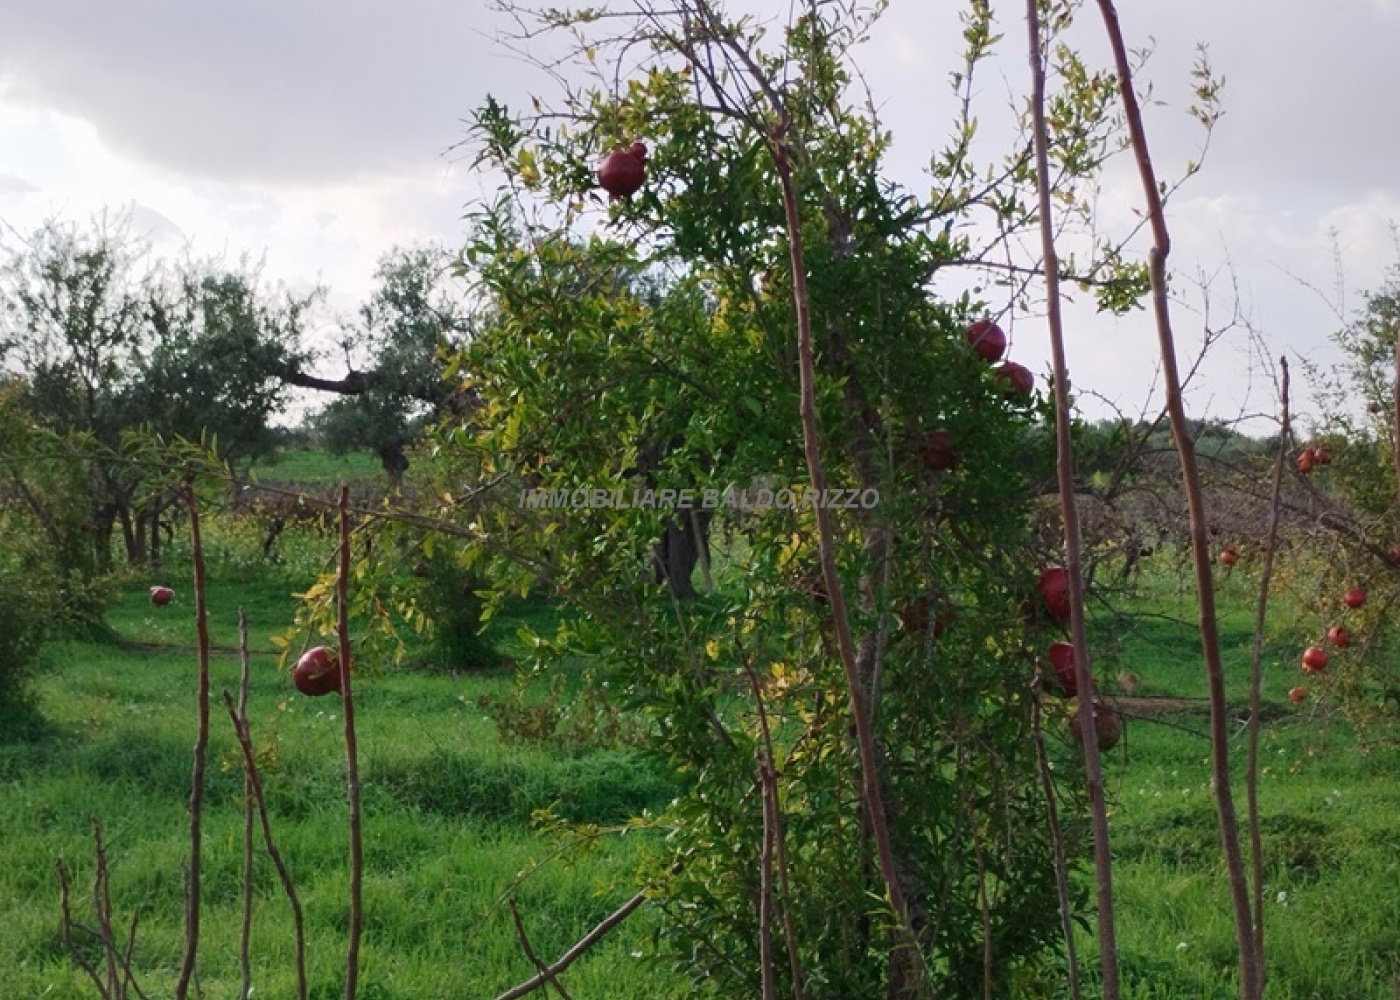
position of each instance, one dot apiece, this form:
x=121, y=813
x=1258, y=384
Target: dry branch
x=582, y=945
x=524, y=939
x=250, y=766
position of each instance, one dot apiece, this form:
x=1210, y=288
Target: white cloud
x=316, y=135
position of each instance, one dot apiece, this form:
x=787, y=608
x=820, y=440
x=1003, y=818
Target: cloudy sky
x=318, y=135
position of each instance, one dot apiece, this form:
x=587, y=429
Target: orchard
x=978, y=695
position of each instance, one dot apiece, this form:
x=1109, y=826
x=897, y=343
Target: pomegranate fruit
x=623, y=171
x=1305, y=461
x=1015, y=379
x=1314, y=660
x=317, y=672
x=1061, y=656
x=1108, y=726
x=1297, y=694
x=161, y=596
x=1339, y=637
x=1054, y=592
x=1228, y=557
x=1354, y=598
x=937, y=451
x=987, y=340
x=914, y=617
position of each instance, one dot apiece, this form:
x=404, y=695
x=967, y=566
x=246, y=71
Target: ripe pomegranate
x=1338, y=636
x=1228, y=557
x=1314, y=660
x=1297, y=695
x=1062, y=659
x=1108, y=726
x=1321, y=456
x=160, y=596
x=937, y=451
x=623, y=171
x=986, y=340
x=914, y=616
x=1305, y=461
x=1054, y=592
x=1354, y=598
x=1016, y=379
x=317, y=672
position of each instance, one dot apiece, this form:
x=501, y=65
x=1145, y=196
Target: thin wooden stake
x=245, y=930
x=1256, y=674
x=352, y=767
x=1195, y=502
x=1069, y=512
x=201, y=749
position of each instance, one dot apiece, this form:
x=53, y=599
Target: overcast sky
x=318, y=133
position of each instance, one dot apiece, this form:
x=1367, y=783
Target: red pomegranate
x=1108, y=726
x=1054, y=592
x=987, y=340
x=937, y=451
x=1062, y=659
x=1014, y=379
x=317, y=672
x=623, y=171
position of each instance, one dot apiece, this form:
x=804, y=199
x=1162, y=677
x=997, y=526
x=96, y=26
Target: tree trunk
x=395, y=463
x=679, y=552
x=142, y=526
x=104, y=520
x=134, y=549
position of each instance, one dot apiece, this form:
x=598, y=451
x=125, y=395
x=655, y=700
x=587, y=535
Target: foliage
x=651, y=348
x=448, y=594
x=411, y=320
x=24, y=623
x=100, y=343
x=220, y=346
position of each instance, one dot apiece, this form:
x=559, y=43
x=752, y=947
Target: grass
x=447, y=822
x=448, y=815
x=1328, y=819
x=315, y=467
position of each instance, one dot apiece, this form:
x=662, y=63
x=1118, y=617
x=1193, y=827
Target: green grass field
x=446, y=821
x=300, y=465
x=448, y=807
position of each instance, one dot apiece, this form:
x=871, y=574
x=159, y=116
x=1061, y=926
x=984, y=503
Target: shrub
x=23, y=620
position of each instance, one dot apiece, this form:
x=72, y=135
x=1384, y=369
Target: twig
x=66, y=925
x=120, y=976
x=352, y=767
x=1191, y=481
x=245, y=933
x=543, y=969
x=201, y=748
x=1256, y=671
x=1069, y=511
x=102, y=910
x=582, y=945
x=773, y=820
x=1395, y=439
x=250, y=769
x=765, y=884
